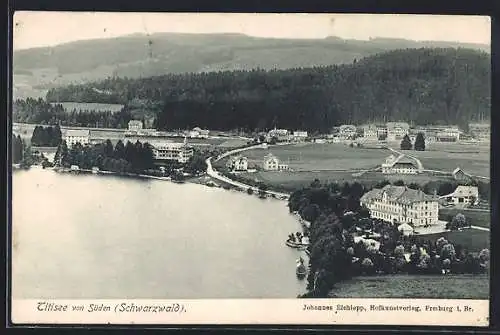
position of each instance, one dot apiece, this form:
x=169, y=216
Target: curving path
x=216, y=175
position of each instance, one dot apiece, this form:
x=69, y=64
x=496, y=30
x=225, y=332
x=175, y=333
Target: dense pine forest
x=427, y=85
x=41, y=112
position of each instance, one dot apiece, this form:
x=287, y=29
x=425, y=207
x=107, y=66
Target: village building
x=448, y=134
x=459, y=175
x=397, y=130
x=382, y=132
x=281, y=135
x=463, y=195
x=73, y=136
x=402, y=205
x=135, y=125
x=398, y=165
x=272, y=163
x=237, y=163
x=480, y=131
x=172, y=151
x=347, y=132
x=198, y=132
x=299, y=136
x=370, y=132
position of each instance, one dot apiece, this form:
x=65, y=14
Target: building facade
x=299, y=136
x=397, y=130
x=238, y=163
x=400, y=204
x=135, y=125
x=347, y=131
x=398, y=165
x=271, y=163
x=370, y=132
x=179, y=152
x=463, y=195
x=73, y=136
x=281, y=135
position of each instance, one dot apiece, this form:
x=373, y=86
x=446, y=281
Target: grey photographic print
x=250, y=168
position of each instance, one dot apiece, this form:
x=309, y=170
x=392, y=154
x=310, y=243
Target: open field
x=478, y=218
x=415, y=286
x=70, y=106
x=473, y=159
x=472, y=239
x=318, y=157
x=291, y=180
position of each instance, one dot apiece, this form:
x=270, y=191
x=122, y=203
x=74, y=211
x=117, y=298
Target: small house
x=463, y=195
x=459, y=175
x=271, y=163
x=135, y=125
x=238, y=163
x=299, y=136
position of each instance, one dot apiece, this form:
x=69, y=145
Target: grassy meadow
x=320, y=157
x=472, y=158
x=473, y=239
x=478, y=218
x=415, y=286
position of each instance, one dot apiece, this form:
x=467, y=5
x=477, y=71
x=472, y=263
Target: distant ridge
x=142, y=55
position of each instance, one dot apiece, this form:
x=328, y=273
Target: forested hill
x=426, y=85
x=163, y=53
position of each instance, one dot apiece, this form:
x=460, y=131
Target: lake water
x=110, y=237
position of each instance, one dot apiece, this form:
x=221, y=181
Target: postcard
x=223, y=168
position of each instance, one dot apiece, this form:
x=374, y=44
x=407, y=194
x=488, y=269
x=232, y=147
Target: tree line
x=336, y=217
x=21, y=153
x=46, y=136
x=130, y=158
x=123, y=158
x=427, y=85
x=40, y=111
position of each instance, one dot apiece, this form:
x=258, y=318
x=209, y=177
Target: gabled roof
x=466, y=191
x=404, y=164
x=399, y=194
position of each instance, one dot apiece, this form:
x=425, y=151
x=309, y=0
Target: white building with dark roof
x=347, y=131
x=172, y=151
x=463, y=195
x=272, y=163
x=238, y=163
x=402, y=204
x=73, y=136
x=135, y=125
x=397, y=130
x=399, y=165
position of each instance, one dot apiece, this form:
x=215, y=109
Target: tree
x=196, y=164
x=458, y=221
x=17, y=149
x=420, y=142
x=414, y=186
x=399, y=183
x=406, y=143
x=119, y=152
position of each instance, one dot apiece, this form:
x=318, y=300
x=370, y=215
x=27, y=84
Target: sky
x=40, y=29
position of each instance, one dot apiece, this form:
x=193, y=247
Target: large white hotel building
x=172, y=151
x=402, y=205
